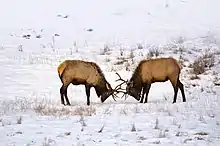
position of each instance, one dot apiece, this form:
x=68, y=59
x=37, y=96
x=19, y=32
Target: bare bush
x=194, y=77
x=131, y=56
x=82, y=121
x=133, y=129
x=140, y=46
x=156, y=124
x=48, y=142
x=127, y=66
x=162, y=133
x=100, y=131
x=120, y=61
x=105, y=51
x=19, y=120
x=153, y=52
x=200, y=65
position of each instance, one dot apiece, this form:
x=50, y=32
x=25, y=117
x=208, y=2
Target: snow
x=116, y=35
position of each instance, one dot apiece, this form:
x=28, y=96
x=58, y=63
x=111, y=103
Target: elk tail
x=60, y=69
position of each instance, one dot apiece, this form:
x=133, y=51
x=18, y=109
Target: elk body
x=80, y=72
x=151, y=71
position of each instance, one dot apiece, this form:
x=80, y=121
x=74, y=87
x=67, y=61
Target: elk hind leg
x=62, y=90
x=175, y=88
x=66, y=97
x=180, y=85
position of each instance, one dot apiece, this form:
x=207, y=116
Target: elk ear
x=108, y=86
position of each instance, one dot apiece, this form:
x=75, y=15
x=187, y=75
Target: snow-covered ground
x=35, y=36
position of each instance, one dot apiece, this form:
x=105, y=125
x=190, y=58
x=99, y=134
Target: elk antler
x=118, y=88
x=120, y=79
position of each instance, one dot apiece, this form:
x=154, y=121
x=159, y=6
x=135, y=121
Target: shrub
x=200, y=65
x=153, y=52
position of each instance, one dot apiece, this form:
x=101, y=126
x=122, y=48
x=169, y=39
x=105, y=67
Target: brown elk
x=80, y=72
x=151, y=71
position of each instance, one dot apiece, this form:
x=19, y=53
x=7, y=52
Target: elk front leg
x=88, y=93
x=142, y=97
x=146, y=92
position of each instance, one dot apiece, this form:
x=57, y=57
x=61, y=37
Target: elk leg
x=61, y=95
x=87, y=87
x=142, y=97
x=67, y=100
x=146, y=92
x=180, y=85
x=65, y=94
x=175, y=88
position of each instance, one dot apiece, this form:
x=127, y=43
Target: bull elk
x=151, y=71
x=80, y=72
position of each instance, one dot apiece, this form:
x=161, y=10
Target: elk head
x=113, y=92
x=134, y=89
x=104, y=91
x=109, y=91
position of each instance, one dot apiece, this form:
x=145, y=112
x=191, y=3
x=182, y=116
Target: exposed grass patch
x=43, y=106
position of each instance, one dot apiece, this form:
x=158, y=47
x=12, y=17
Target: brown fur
x=155, y=70
x=82, y=72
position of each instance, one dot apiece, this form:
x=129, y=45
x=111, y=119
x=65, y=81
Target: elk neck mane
x=136, y=74
x=99, y=70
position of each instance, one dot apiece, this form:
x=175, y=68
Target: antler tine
x=120, y=79
x=113, y=96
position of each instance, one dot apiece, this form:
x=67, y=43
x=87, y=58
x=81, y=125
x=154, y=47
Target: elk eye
x=131, y=84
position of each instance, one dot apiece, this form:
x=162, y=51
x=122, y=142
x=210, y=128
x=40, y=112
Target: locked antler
x=118, y=89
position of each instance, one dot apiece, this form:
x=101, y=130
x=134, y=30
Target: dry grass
x=44, y=106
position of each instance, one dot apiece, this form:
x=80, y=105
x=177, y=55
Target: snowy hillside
x=36, y=36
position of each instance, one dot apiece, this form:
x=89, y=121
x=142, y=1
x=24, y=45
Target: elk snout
x=105, y=96
x=132, y=91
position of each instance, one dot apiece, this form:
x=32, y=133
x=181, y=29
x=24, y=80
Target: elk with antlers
x=85, y=73
x=151, y=71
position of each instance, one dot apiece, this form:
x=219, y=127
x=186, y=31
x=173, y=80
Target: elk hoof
x=68, y=104
x=174, y=102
